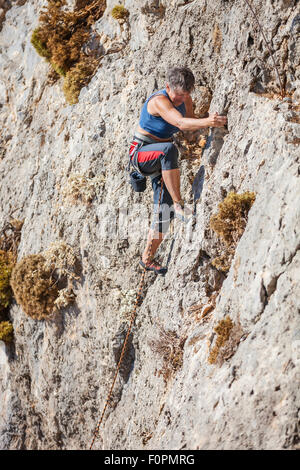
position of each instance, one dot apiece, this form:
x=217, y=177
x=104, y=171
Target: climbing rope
x=132, y=319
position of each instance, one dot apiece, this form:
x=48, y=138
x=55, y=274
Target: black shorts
x=161, y=220
x=153, y=158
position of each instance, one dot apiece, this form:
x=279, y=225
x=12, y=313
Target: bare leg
x=157, y=239
x=172, y=181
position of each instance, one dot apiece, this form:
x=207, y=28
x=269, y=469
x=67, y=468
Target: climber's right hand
x=214, y=120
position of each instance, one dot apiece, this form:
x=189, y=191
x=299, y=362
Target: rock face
x=55, y=378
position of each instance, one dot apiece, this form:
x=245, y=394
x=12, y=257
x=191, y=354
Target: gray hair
x=181, y=77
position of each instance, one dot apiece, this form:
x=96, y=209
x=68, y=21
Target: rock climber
x=164, y=113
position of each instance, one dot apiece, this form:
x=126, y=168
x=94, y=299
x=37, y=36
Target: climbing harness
x=137, y=178
x=132, y=319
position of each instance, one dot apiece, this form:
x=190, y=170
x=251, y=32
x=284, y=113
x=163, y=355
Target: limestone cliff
x=63, y=173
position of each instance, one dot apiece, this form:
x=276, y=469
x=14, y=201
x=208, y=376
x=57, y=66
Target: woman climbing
x=164, y=113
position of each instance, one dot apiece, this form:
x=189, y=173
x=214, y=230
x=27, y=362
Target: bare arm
x=189, y=108
x=166, y=110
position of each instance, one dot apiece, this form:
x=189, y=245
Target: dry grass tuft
x=60, y=39
x=81, y=189
x=229, y=335
x=222, y=329
x=229, y=224
x=78, y=77
x=9, y=241
x=223, y=262
x=61, y=259
x=170, y=347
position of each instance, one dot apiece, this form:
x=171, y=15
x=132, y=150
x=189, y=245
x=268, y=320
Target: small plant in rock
x=229, y=335
x=7, y=262
x=61, y=259
x=81, y=189
x=119, y=12
x=34, y=287
x=229, y=224
x=169, y=347
x=222, y=329
x=6, y=331
x=223, y=262
x=78, y=77
x=43, y=283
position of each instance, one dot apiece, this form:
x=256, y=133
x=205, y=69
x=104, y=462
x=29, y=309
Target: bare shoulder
x=158, y=103
x=189, y=106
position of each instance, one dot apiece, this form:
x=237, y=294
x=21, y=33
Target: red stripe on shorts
x=149, y=155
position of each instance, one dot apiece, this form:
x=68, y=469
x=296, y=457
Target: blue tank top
x=156, y=125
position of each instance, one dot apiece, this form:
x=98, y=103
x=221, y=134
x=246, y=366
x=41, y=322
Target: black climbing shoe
x=152, y=266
